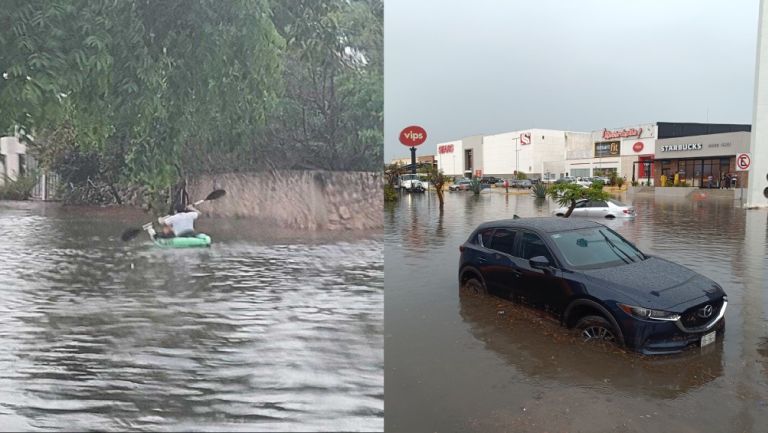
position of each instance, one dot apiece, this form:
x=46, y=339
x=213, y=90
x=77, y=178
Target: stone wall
x=304, y=200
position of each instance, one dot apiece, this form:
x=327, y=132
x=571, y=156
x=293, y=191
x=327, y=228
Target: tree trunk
x=570, y=209
x=439, y=191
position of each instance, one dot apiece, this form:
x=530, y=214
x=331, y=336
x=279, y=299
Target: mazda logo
x=705, y=312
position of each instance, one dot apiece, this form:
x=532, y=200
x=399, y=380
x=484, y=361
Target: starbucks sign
x=682, y=147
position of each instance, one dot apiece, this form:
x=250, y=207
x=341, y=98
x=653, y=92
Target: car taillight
x=461, y=248
x=626, y=210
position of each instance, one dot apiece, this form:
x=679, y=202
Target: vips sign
x=607, y=148
x=413, y=136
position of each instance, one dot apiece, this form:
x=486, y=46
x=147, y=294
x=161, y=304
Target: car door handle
x=482, y=259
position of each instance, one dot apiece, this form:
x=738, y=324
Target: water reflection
x=537, y=346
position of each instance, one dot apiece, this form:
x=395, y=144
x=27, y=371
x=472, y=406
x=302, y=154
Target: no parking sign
x=743, y=161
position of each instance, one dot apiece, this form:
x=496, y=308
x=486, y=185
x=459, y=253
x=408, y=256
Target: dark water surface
x=264, y=331
x=458, y=363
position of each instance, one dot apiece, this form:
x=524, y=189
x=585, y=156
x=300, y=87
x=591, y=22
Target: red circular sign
x=638, y=147
x=743, y=161
x=413, y=136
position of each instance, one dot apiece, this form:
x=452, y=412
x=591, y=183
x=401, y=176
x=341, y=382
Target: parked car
x=594, y=281
x=584, y=181
x=566, y=179
x=462, y=185
x=500, y=183
x=412, y=183
x=599, y=209
x=521, y=183
x=489, y=180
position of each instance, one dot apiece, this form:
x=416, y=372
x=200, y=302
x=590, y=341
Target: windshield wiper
x=610, y=242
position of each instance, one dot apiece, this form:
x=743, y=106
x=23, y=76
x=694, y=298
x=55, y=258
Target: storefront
x=701, y=161
x=614, y=152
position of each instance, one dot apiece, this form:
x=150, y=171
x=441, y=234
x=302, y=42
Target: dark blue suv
x=594, y=280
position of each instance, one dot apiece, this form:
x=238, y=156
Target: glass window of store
x=705, y=173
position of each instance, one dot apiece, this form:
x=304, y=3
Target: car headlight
x=649, y=314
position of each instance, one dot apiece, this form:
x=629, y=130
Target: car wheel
x=610, y=217
x=596, y=329
x=559, y=214
x=474, y=286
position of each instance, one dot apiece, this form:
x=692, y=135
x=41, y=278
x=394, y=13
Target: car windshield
x=597, y=247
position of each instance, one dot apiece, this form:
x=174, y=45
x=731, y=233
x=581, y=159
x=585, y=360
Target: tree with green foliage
x=331, y=116
x=135, y=92
x=567, y=194
x=438, y=180
x=391, y=173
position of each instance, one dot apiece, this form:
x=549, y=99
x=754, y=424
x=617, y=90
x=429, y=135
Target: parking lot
x=477, y=363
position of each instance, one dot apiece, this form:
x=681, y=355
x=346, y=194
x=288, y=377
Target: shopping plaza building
x=641, y=152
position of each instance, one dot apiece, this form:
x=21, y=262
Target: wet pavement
x=267, y=330
x=456, y=362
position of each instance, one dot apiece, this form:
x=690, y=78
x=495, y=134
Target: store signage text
x=622, y=133
x=413, y=136
x=446, y=148
x=607, y=148
x=681, y=147
x=525, y=138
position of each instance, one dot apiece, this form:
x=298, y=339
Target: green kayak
x=201, y=240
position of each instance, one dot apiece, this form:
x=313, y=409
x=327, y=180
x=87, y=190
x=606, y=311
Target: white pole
x=758, y=146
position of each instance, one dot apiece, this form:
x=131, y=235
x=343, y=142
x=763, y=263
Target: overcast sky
x=461, y=68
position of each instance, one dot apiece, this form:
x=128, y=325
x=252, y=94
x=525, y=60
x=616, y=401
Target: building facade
x=539, y=153
x=630, y=152
x=702, y=160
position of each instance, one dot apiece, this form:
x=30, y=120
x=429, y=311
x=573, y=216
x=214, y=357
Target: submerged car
x=594, y=281
x=599, y=209
x=462, y=185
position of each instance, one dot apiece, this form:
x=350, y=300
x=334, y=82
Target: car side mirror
x=539, y=262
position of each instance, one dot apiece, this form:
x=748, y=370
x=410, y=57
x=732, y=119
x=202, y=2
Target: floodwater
x=459, y=363
x=265, y=331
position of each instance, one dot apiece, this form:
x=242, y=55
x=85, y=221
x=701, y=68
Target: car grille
x=695, y=317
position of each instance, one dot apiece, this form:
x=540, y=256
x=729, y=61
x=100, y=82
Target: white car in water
x=599, y=209
x=412, y=183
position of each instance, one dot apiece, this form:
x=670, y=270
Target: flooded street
x=466, y=363
x=264, y=331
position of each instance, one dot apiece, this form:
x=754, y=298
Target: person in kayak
x=182, y=222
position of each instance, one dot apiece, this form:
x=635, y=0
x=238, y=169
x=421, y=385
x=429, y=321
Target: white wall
x=452, y=163
x=11, y=148
x=499, y=153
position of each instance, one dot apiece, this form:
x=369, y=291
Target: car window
x=485, y=237
x=598, y=203
x=581, y=204
x=595, y=248
x=503, y=241
x=531, y=246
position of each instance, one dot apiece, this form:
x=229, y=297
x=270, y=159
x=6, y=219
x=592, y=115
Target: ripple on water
x=103, y=335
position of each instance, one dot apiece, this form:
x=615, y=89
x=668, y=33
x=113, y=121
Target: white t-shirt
x=182, y=222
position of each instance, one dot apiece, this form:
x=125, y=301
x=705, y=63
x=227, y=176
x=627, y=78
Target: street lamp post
x=517, y=158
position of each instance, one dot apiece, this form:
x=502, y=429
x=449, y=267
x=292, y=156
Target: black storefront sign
x=607, y=148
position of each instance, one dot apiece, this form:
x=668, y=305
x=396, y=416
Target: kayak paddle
x=134, y=231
